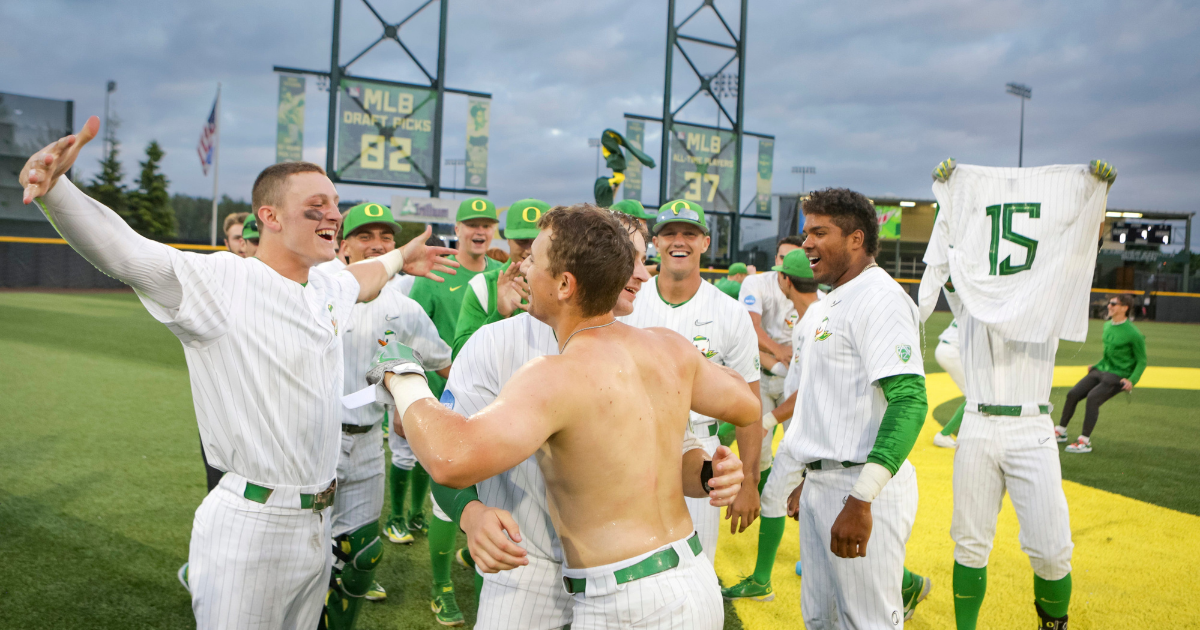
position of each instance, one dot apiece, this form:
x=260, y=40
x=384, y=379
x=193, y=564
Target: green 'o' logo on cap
x=373, y=210
x=537, y=214
x=479, y=205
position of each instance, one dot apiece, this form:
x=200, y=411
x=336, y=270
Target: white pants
x=1020, y=455
x=258, y=566
x=402, y=455
x=361, y=481
x=855, y=593
x=949, y=358
x=706, y=518
x=786, y=474
x=770, y=393
x=526, y=598
x=687, y=597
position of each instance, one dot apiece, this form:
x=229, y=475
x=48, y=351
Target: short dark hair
x=594, y=247
x=850, y=211
x=272, y=182
x=803, y=285
x=794, y=239
x=1127, y=300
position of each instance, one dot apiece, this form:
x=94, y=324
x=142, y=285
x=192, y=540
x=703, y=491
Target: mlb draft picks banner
x=635, y=133
x=289, y=131
x=889, y=222
x=766, y=166
x=702, y=167
x=385, y=133
x=478, y=115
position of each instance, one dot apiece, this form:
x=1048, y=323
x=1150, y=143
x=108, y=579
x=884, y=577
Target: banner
x=889, y=222
x=766, y=166
x=424, y=209
x=289, y=130
x=702, y=167
x=635, y=133
x=478, y=115
x=385, y=133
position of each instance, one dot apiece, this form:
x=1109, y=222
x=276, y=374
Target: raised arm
x=415, y=258
x=720, y=392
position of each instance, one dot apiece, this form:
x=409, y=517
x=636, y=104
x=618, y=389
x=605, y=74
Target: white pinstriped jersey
x=1009, y=237
x=862, y=331
x=761, y=294
x=390, y=312
x=711, y=320
x=950, y=335
x=1000, y=371
x=795, y=371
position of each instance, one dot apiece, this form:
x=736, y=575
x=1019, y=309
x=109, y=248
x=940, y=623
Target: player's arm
x=720, y=392
x=781, y=352
x=415, y=258
x=722, y=473
x=492, y=533
x=1139, y=359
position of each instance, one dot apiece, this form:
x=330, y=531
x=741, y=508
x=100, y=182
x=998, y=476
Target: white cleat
x=1060, y=434
x=1083, y=445
x=944, y=441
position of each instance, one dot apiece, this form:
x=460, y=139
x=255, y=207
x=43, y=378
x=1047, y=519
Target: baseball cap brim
x=659, y=226
x=521, y=233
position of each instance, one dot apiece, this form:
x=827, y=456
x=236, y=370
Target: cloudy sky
x=872, y=94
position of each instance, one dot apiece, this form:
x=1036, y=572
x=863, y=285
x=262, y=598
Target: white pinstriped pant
x=361, y=481
x=687, y=597
x=531, y=597
x=855, y=593
x=402, y=455
x=706, y=518
x=255, y=566
x=770, y=394
x=786, y=474
x=1020, y=455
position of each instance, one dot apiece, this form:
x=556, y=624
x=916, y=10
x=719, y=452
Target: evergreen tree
x=150, y=210
x=108, y=187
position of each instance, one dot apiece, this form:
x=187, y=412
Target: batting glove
x=1103, y=171
x=943, y=170
x=396, y=358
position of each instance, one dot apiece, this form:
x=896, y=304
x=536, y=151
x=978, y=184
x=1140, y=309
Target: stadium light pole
x=1023, y=92
x=595, y=142
x=112, y=87
x=456, y=162
x=802, y=171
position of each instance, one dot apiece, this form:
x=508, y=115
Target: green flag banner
x=766, y=166
x=702, y=167
x=635, y=133
x=289, y=129
x=385, y=133
x=478, y=122
x=889, y=221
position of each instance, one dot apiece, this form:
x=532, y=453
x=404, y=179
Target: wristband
x=407, y=389
x=706, y=475
x=393, y=261
x=769, y=421
x=870, y=482
x=779, y=369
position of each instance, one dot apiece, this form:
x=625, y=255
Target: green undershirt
x=901, y=422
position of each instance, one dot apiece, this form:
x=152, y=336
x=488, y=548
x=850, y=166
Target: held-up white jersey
x=761, y=294
x=369, y=322
x=862, y=331
x=1009, y=237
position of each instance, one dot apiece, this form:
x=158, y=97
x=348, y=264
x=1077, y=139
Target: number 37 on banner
x=694, y=190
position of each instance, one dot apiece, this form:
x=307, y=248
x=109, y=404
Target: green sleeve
x=1138, y=343
x=471, y=317
x=901, y=422
x=452, y=501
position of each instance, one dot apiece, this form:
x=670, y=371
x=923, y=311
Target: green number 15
x=1002, y=216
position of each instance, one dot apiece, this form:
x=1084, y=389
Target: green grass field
x=100, y=467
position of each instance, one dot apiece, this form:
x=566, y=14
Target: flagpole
x=216, y=162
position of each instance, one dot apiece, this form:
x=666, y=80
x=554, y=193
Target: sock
x=1052, y=596
x=770, y=533
x=762, y=480
x=468, y=559
x=951, y=427
x=478, y=587
x=970, y=585
x=397, y=482
x=442, y=535
x=908, y=580
x=420, y=488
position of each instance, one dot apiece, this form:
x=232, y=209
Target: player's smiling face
x=307, y=220
x=640, y=275
x=680, y=246
x=543, y=285
x=368, y=242
x=475, y=236
x=827, y=247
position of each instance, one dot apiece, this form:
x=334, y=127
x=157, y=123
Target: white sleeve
x=417, y=331
x=751, y=296
x=886, y=334
x=742, y=353
x=474, y=380
x=106, y=241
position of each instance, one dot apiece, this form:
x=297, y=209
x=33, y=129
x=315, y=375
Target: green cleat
x=396, y=531
x=915, y=594
x=749, y=589
x=416, y=523
x=461, y=556
x=376, y=592
x=445, y=607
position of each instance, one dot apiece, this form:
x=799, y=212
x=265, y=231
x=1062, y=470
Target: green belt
x=825, y=463
x=1007, y=410
x=315, y=502
x=356, y=429
x=712, y=429
x=664, y=560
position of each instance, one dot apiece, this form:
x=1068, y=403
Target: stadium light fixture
x=456, y=162
x=908, y=204
x=1132, y=215
x=1112, y=214
x=802, y=171
x=1023, y=92
x=595, y=144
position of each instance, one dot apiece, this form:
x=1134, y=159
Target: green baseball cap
x=737, y=268
x=366, y=214
x=680, y=211
x=795, y=264
x=476, y=208
x=522, y=218
x=250, y=227
x=633, y=208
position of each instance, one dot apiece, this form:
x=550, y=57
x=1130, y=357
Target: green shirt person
x=731, y=284
x=480, y=305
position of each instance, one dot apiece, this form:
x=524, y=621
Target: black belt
x=356, y=429
x=827, y=464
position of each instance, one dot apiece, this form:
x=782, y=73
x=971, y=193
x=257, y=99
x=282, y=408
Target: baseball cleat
x=1082, y=445
x=749, y=589
x=445, y=607
x=376, y=592
x=915, y=594
x=396, y=531
x=461, y=556
x=182, y=575
x=1060, y=434
x=417, y=524
x=944, y=441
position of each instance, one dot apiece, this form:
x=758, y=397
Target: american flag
x=208, y=140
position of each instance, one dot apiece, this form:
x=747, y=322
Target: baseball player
x=678, y=299
x=264, y=353
x=250, y=236
x=232, y=229
x=479, y=305
x=368, y=231
x=631, y=553
x=731, y=284
x=861, y=407
x=475, y=227
x=1006, y=235
x=947, y=355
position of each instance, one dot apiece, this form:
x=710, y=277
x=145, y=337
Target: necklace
x=564, y=346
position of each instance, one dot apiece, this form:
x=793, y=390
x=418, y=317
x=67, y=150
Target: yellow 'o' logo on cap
x=677, y=206
x=479, y=205
x=537, y=214
x=373, y=210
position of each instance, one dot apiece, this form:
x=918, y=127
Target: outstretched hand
x=944, y=169
x=511, y=289
x=422, y=260
x=42, y=170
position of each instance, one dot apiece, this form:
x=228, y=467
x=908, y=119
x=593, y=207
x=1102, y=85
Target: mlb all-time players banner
x=289, y=131
x=766, y=168
x=478, y=115
x=385, y=133
x=635, y=133
x=889, y=222
x=702, y=168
